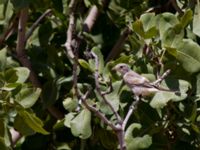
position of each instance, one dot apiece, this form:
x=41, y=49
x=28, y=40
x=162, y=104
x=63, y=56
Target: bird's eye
x=121, y=67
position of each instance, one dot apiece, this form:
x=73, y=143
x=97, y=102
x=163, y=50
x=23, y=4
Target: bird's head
x=121, y=68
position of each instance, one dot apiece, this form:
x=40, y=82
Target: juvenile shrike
x=139, y=85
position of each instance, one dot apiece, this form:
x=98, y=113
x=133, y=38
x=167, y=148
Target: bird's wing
x=132, y=78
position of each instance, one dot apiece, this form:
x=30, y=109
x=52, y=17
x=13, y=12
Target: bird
x=139, y=85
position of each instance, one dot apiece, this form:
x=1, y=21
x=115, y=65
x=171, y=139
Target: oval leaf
x=28, y=96
x=32, y=121
x=81, y=124
x=22, y=73
x=133, y=143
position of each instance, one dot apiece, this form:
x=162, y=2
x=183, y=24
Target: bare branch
x=160, y=79
x=91, y=19
x=21, y=55
x=96, y=75
x=120, y=136
x=71, y=28
x=130, y=111
x=97, y=112
x=176, y=7
x=48, y=12
x=10, y=29
x=110, y=88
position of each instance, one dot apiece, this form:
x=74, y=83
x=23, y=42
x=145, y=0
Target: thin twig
x=92, y=16
x=110, y=88
x=91, y=19
x=48, y=12
x=96, y=76
x=10, y=29
x=97, y=112
x=160, y=79
x=71, y=29
x=120, y=136
x=130, y=111
x=176, y=7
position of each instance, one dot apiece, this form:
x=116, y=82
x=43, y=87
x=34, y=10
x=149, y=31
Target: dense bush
x=57, y=86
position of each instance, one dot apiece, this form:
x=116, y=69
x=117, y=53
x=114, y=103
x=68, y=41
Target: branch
x=91, y=19
x=130, y=111
x=97, y=112
x=96, y=76
x=160, y=79
x=71, y=29
x=48, y=12
x=92, y=16
x=10, y=29
x=118, y=45
x=176, y=7
x=23, y=58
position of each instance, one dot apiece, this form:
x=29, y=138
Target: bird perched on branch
x=139, y=85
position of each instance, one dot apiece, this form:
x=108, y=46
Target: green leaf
x=3, y=59
x=10, y=76
x=113, y=99
x=32, y=121
x=138, y=28
x=6, y=12
x=22, y=73
x=188, y=54
x=148, y=21
x=70, y=104
x=4, y=132
x=85, y=65
x=149, y=25
x=22, y=127
x=195, y=128
x=68, y=119
x=165, y=21
x=28, y=96
x=186, y=18
x=196, y=20
x=134, y=143
x=81, y=124
x=161, y=98
x=97, y=51
x=63, y=146
x=11, y=86
x=171, y=38
x=3, y=145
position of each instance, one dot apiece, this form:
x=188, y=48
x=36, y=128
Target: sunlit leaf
x=196, y=21
x=3, y=59
x=188, y=53
x=22, y=73
x=81, y=124
x=134, y=143
x=27, y=97
x=32, y=121
x=68, y=119
x=69, y=104
x=85, y=65
x=161, y=98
